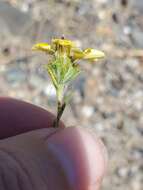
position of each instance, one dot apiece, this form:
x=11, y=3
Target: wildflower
x=77, y=54
x=63, y=42
x=63, y=67
x=45, y=47
x=93, y=54
x=63, y=46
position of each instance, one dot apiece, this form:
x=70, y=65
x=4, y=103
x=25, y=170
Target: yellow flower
x=45, y=47
x=87, y=54
x=77, y=54
x=63, y=42
x=62, y=46
x=93, y=54
x=67, y=47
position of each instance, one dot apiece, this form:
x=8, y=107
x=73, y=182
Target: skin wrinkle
x=28, y=175
x=4, y=184
x=38, y=162
x=4, y=178
x=20, y=187
x=43, y=176
x=51, y=134
x=17, y=162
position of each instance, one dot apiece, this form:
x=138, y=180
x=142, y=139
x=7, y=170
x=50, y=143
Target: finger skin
x=26, y=163
x=81, y=155
x=17, y=117
x=52, y=159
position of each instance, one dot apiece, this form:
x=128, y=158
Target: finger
x=63, y=159
x=26, y=163
x=17, y=117
x=82, y=157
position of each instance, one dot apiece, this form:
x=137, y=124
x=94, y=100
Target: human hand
x=34, y=156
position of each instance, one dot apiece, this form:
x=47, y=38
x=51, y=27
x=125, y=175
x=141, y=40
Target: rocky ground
x=108, y=95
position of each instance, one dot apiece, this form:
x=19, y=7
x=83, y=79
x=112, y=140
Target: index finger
x=17, y=117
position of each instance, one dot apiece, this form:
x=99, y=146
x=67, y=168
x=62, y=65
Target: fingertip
x=102, y=148
x=17, y=117
x=81, y=156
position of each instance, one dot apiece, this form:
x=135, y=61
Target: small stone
x=87, y=111
x=127, y=30
x=102, y=1
x=132, y=63
x=15, y=75
x=124, y=3
x=99, y=126
x=49, y=90
x=137, y=37
x=25, y=7
x=37, y=82
x=122, y=172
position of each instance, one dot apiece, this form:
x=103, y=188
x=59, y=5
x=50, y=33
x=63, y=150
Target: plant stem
x=60, y=109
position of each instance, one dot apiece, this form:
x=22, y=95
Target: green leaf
x=71, y=74
x=52, y=75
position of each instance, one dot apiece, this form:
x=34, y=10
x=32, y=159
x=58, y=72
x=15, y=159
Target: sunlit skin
x=38, y=157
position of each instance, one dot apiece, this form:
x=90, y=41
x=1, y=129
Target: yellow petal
x=93, y=54
x=77, y=54
x=45, y=47
x=63, y=42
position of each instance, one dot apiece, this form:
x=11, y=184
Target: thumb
x=69, y=158
x=81, y=155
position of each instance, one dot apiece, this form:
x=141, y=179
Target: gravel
x=108, y=96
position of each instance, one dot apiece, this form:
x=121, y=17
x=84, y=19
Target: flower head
x=93, y=54
x=45, y=47
x=63, y=42
x=77, y=54
x=66, y=47
x=63, y=68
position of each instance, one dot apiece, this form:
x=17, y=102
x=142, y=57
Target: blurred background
x=108, y=95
